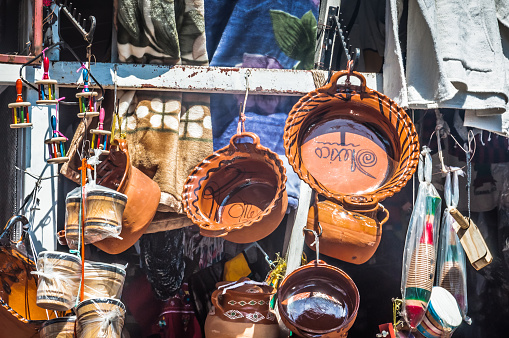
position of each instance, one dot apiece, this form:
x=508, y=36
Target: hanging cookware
x=346, y=140
x=143, y=195
x=318, y=300
x=21, y=317
x=241, y=309
x=238, y=192
x=351, y=232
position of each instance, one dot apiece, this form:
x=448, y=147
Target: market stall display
x=20, y=109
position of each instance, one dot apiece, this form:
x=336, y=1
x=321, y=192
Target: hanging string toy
x=87, y=98
x=20, y=112
x=56, y=144
x=100, y=137
x=47, y=87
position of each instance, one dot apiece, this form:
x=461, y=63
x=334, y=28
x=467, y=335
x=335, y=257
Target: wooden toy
x=101, y=137
x=87, y=99
x=56, y=145
x=20, y=111
x=47, y=87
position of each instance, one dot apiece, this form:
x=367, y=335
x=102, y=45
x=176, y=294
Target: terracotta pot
x=242, y=311
x=62, y=327
x=351, y=232
x=143, y=195
x=238, y=192
x=318, y=300
x=348, y=140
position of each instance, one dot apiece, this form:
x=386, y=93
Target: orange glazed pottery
x=242, y=310
x=318, y=300
x=238, y=192
x=346, y=140
x=351, y=233
x=143, y=195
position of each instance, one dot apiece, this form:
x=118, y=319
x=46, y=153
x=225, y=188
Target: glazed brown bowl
x=238, y=192
x=318, y=300
x=346, y=140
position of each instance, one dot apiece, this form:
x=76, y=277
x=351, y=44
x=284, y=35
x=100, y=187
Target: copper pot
x=318, y=300
x=143, y=195
x=351, y=232
x=238, y=192
x=346, y=140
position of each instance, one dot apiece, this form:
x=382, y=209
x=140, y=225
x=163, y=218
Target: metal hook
x=317, y=240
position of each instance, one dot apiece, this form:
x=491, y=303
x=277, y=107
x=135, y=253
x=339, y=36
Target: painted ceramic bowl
x=346, y=140
x=238, y=192
x=318, y=300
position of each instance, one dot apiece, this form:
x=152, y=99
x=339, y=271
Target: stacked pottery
x=104, y=208
x=62, y=327
x=100, y=318
x=241, y=310
x=355, y=147
x=238, y=192
x=72, y=217
x=103, y=280
x=59, y=277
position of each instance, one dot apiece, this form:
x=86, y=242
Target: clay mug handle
x=332, y=86
x=256, y=139
x=215, y=301
x=386, y=218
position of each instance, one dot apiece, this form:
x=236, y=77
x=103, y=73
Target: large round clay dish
x=318, y=300
x=239, y=187
x=351, y=140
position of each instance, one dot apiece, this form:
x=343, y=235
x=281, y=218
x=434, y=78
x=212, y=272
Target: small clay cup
x=350, y=232
x=62, y=327
x=100, y=317
x=103, y=214
x=103, y=280
x=238, y=192
x=318, y=300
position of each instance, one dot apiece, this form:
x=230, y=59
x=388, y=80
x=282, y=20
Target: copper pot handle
x=215, y=301
x=256, y=139
x=386, y=218
x=332, y=87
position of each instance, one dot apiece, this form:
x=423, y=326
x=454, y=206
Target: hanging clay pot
x=238, y=192
x=346, y=140
x=241, y=310
x=351, y=232
x=318, y=300
x=143, y=195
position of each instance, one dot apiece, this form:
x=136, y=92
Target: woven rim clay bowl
x=143, y=195
x=237, y=192
x=318, y=300
x=351, y=140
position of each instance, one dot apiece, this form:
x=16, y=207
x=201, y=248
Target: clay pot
x=103, y=280
x=318, y=300
x=62, y=327
x=242, y=311
x=100, y=318
x=59, y=278
x=143, y=195
x=238, y=192
x=351, y=232
x=346, y=140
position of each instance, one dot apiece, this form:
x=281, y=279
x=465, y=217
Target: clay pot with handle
x=350, y=232
x=241, y=310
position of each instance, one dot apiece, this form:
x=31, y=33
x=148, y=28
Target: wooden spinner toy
x=47, y=87
x=56, y=145
x=100, y=137
x=87, y=99
x=20, y=111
